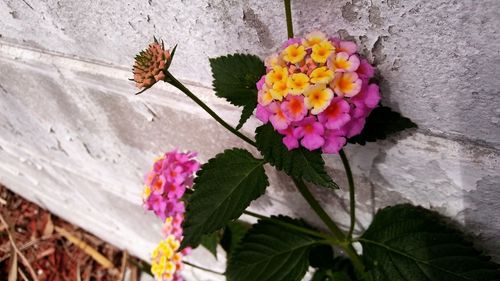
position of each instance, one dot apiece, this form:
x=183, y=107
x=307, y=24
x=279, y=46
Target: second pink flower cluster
x=316, y=92
x=164, y=188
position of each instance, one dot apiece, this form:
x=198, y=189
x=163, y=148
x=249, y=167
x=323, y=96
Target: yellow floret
x=170, y=267
x=321, y=51
x=318, y=98
x=277, y=74
x=322, y=75
x=294, y=53
x=314, y=38
x=266, y=97
x=146, y=192
x=298, y=83
x=279, y=90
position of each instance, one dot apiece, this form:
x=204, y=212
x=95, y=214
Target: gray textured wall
x=74, y=139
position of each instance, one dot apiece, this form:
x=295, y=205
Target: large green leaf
x=235, y=77
x=270, y=252
x=224, y=187
x=299, y=162
x=233, y=234
x=405, y=242
x=381, y=123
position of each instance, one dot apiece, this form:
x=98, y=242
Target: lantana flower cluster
x=316, y=92
x=165, y=185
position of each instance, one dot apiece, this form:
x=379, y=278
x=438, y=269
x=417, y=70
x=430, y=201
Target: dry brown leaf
x=49, y=227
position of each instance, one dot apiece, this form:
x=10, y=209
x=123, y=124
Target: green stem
x=352, y=194
x=288, y=12
x=306, y=193
x=176, y=83
x=202, y=268
x=339, y=236
x=357, y=263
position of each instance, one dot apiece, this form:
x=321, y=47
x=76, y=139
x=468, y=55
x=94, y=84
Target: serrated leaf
x=210, y=242
x=233, y=234
x=235, y=77
x=271, y=253
x=299, y=162
x=223, y=188
x=381, y=123
x=405, y=242
x=245, y=114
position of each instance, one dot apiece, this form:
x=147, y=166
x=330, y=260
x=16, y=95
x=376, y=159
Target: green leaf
x=327, y=275
x=299, y=162
x=223, y=188
x=210, y=241
x=235, y=77
x=233, y=234
x=271, y=253
x=405, y=242
x=381, y=123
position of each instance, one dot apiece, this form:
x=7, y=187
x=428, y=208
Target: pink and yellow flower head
x=150, y=65
x=316, y=92
x=166, y=183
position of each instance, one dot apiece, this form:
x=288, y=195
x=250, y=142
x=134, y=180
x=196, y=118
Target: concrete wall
x=75, y=139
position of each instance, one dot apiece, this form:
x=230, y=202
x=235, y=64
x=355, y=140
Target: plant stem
x=339, y=236
x=288, y=13
x=202, y=268
x=306, y=193
x=352, y=192
x=176, y=83
x=293, y=226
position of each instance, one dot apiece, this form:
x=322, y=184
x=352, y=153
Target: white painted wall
x=75, y=139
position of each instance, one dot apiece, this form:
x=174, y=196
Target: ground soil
x=42, y=240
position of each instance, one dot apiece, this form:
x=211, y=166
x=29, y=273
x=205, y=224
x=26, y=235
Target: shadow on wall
x=483, y=212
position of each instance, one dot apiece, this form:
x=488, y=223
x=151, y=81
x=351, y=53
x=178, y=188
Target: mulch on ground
x=35, y=242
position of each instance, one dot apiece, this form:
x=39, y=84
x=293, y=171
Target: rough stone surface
x=75, y=140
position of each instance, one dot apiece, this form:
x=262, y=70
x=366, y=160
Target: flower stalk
x=352, y=193
x=176, y=83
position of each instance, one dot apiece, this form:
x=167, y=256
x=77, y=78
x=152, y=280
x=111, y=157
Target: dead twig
x=123, y=268
x=23, y=275
x=102, y=260
x=18, y=252
x=26, y=246
x=13, y=267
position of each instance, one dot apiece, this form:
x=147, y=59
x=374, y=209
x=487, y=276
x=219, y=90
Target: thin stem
x=357, y=263
x=352, y=192
x=202, y=268
x=339, y=236
x=288, y=13
x=293, y=226
x=306, y=193
x=174, y=82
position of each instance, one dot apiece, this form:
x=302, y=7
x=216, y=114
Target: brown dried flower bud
x=150, y=65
